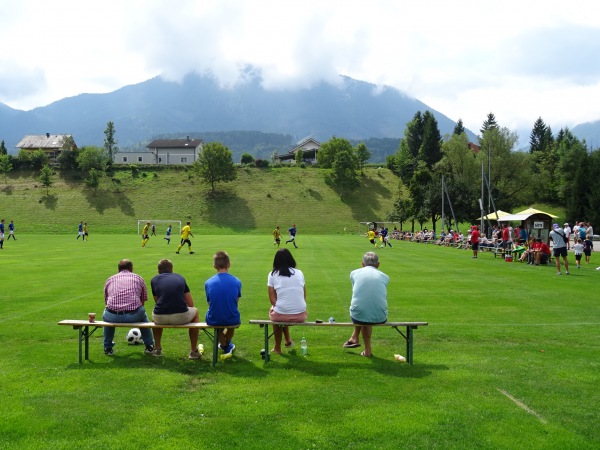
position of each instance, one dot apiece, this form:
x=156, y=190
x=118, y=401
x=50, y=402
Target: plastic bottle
x=304, y=346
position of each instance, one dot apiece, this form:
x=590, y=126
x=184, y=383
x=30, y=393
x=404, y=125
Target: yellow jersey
x=371, y=235
x=185, y=232
x=145, y=230
x=276, y=233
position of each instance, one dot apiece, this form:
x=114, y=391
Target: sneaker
x=149, y=349
x=558, y=273
x=177, y=253
x=109, y=351
x=191, y=253
x=157, y=352
x=194, y=355
x=230, y=348
x=567, y=273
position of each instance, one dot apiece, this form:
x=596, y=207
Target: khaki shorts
x=175, y=319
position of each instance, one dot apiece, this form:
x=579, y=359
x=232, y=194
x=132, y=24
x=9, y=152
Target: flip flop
x=350, y=344
x=365, y=355
x=290, y=345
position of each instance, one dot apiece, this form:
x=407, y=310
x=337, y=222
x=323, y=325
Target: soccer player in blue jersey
x=292, y=238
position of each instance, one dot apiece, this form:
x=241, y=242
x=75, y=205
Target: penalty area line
x=523, y=406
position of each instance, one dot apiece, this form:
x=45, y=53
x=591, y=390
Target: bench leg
x=409, y=345
x=214, y=337
x=84, y=334
x=266, y=343
x=81, y=337
x=215, y=347
x=408, y=337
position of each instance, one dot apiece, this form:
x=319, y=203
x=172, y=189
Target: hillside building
x=309, y=146
x=164, y=152
x=51, y=144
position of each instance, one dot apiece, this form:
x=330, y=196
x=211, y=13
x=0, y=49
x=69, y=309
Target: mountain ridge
x=354, y=110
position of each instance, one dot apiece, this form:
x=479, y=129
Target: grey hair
x=370, y=259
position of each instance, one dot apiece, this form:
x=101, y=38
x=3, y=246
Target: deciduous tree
x=363, y=155
x=5, y=166
x=46, y=177
x=215, y=164
x=345, y=171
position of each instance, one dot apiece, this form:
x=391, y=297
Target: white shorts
x=175, y=319
x=1, y=235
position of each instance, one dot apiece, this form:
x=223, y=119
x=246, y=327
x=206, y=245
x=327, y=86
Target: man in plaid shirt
x=124, y=296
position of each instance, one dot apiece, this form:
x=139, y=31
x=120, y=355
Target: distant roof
x=47, y=140
x=524, y=215
x=174, y=143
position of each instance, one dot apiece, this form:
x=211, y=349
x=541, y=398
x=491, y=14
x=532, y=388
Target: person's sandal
x=350, y=344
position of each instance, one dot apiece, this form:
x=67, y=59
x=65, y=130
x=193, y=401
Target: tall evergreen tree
x=110, y=143
x=3, y=150
x=489, y=123
x=537, y=136
x=430, y=150
x=459, y=128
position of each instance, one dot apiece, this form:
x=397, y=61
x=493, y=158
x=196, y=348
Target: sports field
x=510, y=359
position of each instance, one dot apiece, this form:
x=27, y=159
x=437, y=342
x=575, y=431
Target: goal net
x=363, y=227
x=160, y=226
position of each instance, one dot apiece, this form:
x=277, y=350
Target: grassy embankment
x=255, y=203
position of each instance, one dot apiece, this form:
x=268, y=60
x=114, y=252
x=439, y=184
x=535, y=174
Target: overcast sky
x=518, y=59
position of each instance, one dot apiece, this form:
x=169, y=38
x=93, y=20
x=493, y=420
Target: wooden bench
x=84, y=332
x=408, y=336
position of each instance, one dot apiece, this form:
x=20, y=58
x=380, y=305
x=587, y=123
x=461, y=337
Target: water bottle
x=304, y=346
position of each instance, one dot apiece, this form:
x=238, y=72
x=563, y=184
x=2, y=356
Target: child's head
x=579, y=240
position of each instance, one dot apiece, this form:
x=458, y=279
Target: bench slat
x=99, y=323
x=337, y=324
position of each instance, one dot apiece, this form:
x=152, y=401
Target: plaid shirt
x=125, y=291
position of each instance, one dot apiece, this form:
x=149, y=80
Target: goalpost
x=363, y=227
x=161, y=226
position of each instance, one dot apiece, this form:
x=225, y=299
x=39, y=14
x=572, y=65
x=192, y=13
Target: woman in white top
x=287, y=293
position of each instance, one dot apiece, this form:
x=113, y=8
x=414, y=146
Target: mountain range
x=354, y=109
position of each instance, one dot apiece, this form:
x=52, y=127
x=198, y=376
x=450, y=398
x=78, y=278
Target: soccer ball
x=134, y=336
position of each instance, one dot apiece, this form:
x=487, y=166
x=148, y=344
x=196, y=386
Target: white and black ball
x=134, y=336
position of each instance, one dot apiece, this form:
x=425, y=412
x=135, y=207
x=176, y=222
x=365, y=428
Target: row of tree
x=558, y=170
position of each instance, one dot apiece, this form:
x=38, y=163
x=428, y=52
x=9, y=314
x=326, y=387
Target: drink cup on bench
x=91, y=317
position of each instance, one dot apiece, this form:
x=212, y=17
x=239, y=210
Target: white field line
x=523, y=406
x=52, y=305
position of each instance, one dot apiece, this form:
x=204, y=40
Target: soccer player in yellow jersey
x=371, y=237
x=86, y=235
x=145, y=237
x=277, y=236
x=186, y=232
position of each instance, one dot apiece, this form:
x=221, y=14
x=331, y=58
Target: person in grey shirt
x=369, y=301
x=559, y=247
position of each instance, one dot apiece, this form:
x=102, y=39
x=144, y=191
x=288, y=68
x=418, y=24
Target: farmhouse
x=51, y=144
x=164, y=152
x=309, y=147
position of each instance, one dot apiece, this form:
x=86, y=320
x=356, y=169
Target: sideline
x=45, y=308
x=523, y=406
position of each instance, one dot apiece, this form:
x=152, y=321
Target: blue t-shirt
x=222, y=293
x=292, y=231
x=369, y=295
x=169, y=290
x=1, y=228
x=11, y=226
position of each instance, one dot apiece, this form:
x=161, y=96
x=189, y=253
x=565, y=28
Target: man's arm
x=188, y=299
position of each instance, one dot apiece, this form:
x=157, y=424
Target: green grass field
x=510, y=358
